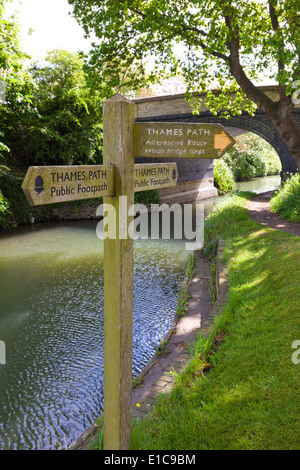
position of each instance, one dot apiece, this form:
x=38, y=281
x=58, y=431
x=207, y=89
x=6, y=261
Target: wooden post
x=118, y=121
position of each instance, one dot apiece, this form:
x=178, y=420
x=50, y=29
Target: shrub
x=251, y=157
x=5, y=214
x=273, y=163
x=223, y=177
x=146, y=197
x=286, y=200
x=14, y=207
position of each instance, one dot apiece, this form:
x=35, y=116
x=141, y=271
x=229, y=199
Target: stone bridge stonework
x=196, y=175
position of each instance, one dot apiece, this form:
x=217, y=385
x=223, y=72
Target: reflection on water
x=51, y=319
x=259, y=185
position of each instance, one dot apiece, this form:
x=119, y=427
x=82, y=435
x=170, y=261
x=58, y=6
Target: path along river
x=51, y=321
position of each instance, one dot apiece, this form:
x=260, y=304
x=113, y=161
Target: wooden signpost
x=155, y=176
x=51, y=184
x=180, y=140
x=116, y=181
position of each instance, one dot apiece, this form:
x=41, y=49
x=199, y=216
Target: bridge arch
x=174, y=108
x=261, y=125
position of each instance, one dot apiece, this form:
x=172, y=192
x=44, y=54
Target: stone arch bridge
x=196, y=175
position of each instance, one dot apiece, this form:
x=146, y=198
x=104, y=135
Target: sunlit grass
x=248, y=398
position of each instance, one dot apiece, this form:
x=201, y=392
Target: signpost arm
x=118, y=122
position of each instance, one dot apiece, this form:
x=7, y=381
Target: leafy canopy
x=15, y=81
x=66, y=127
x=221, y=41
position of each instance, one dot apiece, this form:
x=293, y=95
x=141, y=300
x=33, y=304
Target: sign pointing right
x=180, y=140
x=222, y=141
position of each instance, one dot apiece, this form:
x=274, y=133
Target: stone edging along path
x=167, y=381
x=157, y=376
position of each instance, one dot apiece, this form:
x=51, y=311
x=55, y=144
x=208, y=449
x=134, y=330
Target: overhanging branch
x=248, y=87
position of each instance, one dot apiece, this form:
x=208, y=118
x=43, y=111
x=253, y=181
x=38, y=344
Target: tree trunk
x=287, y=128
x=279, y=112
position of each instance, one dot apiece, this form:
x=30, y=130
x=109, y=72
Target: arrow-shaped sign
x=180, y=140
x=222, y=141
x=155, y=176
x=51, y=184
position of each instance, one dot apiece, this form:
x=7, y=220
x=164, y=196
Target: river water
x=51, y=320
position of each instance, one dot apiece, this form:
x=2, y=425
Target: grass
x=183, y=291
x=241, y=389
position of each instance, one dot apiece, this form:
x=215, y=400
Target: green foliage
x=223, y=177
x=3, y=148
x=223, y=43
x=63, y=123
x=183, y=291
x=146, y=197
x=210, y=248
x=5, y=214
x=15, y=81
x=14, y=207
x=240, y=389
x=251, y=157
x=286, y=200
x=162, y=349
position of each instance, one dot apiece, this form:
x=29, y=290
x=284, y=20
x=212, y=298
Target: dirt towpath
x=260, y=211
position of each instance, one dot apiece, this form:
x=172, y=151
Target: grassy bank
x=241, y=389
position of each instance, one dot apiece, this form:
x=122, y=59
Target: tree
x=49, y=114
x=231, y=42
x=65, y=127
x=15, y=81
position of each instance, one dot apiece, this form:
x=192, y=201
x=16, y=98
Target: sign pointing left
x=50, y=184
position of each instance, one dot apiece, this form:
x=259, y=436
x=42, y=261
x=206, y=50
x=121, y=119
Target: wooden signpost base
x=118, y=121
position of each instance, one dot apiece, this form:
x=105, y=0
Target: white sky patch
x=53, y=27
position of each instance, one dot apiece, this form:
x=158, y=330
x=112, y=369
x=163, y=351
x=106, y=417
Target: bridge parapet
x=168, y=105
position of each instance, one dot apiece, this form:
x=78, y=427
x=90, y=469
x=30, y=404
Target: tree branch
x=185, y=28
x=281, y=67
x=252, y=92
x=203, y=45
x=273, y=16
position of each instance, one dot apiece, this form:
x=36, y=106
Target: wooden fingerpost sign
x=118, y=123
x=117, y=180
